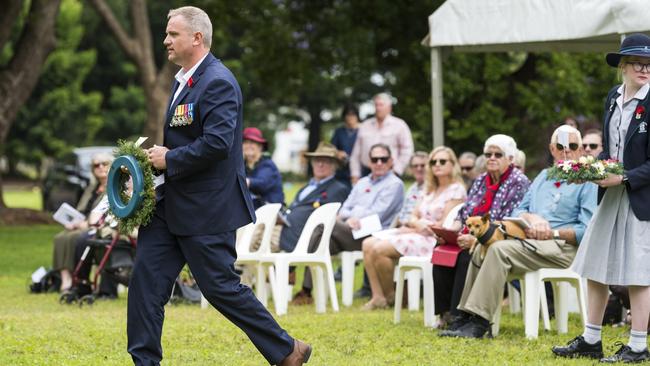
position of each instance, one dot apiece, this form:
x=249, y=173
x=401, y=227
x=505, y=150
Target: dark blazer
x=299, y=211
x=265, y=183
x=636, y=157
x=205, y=186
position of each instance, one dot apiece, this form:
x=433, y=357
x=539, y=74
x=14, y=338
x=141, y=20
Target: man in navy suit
x=201, y=203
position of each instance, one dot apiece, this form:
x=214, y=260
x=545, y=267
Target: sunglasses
x=497, y=155
x=103, y=163
x=440, y=162
x=418, y=166
x=376, y=159
x=591, y=146
x=572, y=146
x=466, y=168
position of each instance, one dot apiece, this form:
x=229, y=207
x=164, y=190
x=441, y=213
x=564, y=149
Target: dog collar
x=488, y=234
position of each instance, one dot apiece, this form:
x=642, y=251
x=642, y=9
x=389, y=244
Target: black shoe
x=458, y=321
x=362, y=292
x=626, y=355
x=578, y=347
x=338, y=275
x=475, y=327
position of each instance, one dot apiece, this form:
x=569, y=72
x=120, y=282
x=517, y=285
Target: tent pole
x=436, y=97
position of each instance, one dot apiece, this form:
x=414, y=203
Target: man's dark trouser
x=159, y=259
x=341, y=240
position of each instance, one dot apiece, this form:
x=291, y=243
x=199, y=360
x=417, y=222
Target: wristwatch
x=625, y=180
x=556, y=234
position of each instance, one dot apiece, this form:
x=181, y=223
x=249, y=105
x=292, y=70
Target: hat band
x=627, y=50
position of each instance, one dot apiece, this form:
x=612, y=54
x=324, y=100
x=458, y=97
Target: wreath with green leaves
x=145, y=203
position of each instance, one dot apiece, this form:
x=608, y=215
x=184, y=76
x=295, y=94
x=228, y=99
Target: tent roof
x=536, y=25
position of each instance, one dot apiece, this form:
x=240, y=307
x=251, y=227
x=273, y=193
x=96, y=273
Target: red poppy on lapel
x=190, y=82
x=639, y=111
x=557, y=184
x=323, y=195
x=367, y=190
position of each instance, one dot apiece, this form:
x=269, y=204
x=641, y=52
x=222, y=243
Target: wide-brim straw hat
x=324, y=150
x=637, y=44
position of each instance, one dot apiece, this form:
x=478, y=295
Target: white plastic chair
x=319, y=262
x=534, y=294
x=415, y=268
x=267, y=216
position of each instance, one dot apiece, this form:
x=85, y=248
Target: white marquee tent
x=527, y=25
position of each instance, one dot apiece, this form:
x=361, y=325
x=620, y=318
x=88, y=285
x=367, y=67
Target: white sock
x=592, y=333
x=638, y=340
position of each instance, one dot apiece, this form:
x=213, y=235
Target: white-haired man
x=558, y=214
x=386, y=129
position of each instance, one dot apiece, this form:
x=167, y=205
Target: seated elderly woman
x=444, y=190
x=64, y=242
x=262, y=175
x=497, y=191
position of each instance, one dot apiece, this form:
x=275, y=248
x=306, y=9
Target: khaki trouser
x=483, y=289
x=256, y=241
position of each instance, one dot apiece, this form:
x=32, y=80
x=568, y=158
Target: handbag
x=445, y=255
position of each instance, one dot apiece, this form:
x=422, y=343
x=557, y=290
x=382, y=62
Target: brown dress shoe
x=299, y=355
x=302, y=298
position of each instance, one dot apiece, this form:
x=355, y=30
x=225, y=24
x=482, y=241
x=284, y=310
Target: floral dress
x=431, y=209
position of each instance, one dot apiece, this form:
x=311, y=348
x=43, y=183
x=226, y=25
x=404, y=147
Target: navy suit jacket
x=636, y=157
x=205, y=187
x=299, y=211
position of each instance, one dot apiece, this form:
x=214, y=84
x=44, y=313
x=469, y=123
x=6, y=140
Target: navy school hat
x=636, y=44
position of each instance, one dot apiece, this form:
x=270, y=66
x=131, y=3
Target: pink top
x=432, y=206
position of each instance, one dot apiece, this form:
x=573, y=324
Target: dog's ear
x=486, y=217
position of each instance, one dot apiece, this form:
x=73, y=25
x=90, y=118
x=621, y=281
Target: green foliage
x=144, y=212
x=59, y=114
x=37, y=330
x=124, y=114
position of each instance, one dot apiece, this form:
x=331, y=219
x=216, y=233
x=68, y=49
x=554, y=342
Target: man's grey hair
x=467, y=155
x=385, y=97
x=198, y=21
x=418, y=154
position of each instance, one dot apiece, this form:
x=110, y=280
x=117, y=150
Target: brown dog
x=480, y=225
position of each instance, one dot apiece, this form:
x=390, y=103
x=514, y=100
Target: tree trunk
x=139, y=48
x=19, y=77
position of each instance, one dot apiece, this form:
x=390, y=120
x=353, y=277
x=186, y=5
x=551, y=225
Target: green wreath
x=131, y=212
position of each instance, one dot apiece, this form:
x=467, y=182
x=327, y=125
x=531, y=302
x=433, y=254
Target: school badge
x=643, y=127
x=183, y=115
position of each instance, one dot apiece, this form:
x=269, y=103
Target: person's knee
x=367, y=244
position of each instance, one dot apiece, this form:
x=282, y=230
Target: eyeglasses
x=466, y=168
x=573, y=146
x=103, y=163
x=639, y=67
x=440, y=162
x=591, y=146
x=417, y=166
x=377, y=159
x=497, y=155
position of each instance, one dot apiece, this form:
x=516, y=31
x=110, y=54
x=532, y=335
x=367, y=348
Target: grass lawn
x=37, y=330
x=23, y=198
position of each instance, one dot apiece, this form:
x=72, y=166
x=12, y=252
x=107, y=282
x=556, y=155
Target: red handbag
x=446, y=254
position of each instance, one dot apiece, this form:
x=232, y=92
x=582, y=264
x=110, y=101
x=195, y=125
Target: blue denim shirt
x=566, y=206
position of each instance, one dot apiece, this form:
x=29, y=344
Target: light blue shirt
x=382, y=196
x=311, y=186
x=567, y=206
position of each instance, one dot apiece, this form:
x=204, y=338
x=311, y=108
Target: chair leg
x=413, y=278
x=429, y=310
x=562, y=306
x=514, y=300
x=318, y=287
x=260, y=286
x=544, y=302
x=531, y=309
x=329, y=281
x=399, y=293
x=347, y=278
x=282, y=280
